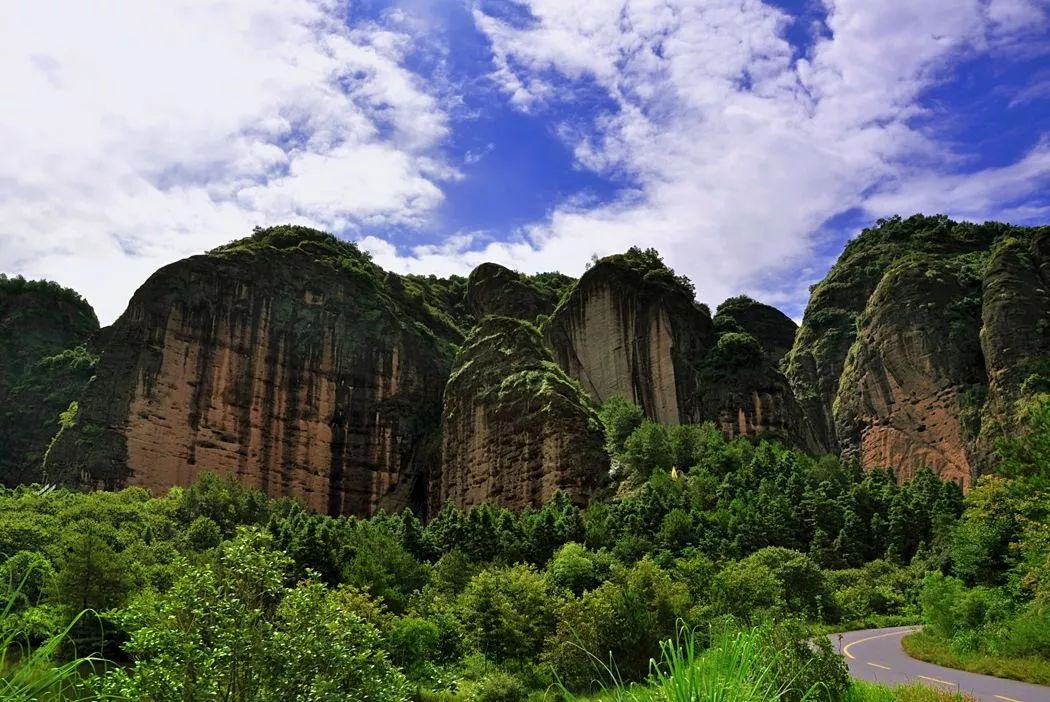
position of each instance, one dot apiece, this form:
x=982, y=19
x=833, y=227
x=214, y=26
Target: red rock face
x=294, y=377
x=901, y=400
x=619, y=335
x=515, y=428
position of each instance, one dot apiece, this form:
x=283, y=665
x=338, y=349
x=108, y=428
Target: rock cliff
x=287, y=359
x=1015, y=336
x=912, y=370
x=920, y=342
x=44, y=367
x=741, y=388
x=290, y=360
x=773, y=329
x=515, y=427
x=495, y=290
x=629, y=327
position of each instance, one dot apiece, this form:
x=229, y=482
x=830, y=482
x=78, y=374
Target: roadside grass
x=870, y=692
x=740, y=666
x=876, y=621
x=925, y=647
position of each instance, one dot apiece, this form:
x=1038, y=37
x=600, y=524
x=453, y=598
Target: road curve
x=876, y=655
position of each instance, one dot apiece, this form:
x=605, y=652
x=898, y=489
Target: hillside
x=292, y=361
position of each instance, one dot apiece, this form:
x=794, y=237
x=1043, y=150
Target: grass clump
x=925, y=647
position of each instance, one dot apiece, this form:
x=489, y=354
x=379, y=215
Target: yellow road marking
x=872, y=638
x=1005, y=699
x=878, y=665
x=936, y=680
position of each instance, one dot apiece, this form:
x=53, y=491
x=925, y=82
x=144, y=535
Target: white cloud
x=135, y=133
x=741, y=148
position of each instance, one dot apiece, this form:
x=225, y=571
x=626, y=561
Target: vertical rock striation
x=907, y=376
x=741, y=388
x=282, y=359
x=923, y=341
x=630, y=328
x=516, y=428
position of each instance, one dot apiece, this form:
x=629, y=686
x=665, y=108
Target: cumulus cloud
x=742, y=146
x=137, y=133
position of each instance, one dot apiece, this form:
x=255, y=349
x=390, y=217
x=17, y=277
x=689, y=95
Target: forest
x=713, y=563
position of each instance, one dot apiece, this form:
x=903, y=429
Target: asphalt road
x=876, y=655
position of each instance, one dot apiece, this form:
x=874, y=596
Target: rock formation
x=922, y=341
x=495, y=290
x=773, y=329
x=290, y=360
x=43, y=369
x=630, y=328
x=741, y=388
x=282, y=359
x=910, y=372
x=516, y=428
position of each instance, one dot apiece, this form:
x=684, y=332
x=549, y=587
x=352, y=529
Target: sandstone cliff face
x=632, y=331
x=1015, y=337
x=282, y=360
x=773, y=329
x=914, y=366
x=516, y=428
x=495, y=290
x=917, y=347
x=742, y=390
x=41, y=370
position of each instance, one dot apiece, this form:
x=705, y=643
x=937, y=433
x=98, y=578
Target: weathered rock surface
x=741, y=388
x=495, y=290
x=630, y=328
x=922, y=341
x=913, y=368
x=41, y=371
x=516, y=428
x=773, y=329
x=1015, y=337
x=282, y=359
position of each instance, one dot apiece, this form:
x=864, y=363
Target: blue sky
x=747, y=141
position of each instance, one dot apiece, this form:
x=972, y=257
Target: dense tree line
x=214, y=592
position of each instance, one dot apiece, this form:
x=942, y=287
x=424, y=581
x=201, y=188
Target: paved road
x=876, y=655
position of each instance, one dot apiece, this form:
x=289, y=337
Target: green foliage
x=215, y=592
x=238, y=631
x=733, y=351
x=500, y=686
x=619, y=418
x=510, y=612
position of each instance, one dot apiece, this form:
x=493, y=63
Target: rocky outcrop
x=922, y=341
x=741, y=387
x=495, y=290
x=773, y=329
x=629, y=327
x=515, y=427
x=284, y=359
x=1015, y=336
x=44, y=368
x=912, y=370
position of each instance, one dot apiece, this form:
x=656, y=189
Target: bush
x=413, y=641
x=500, y=687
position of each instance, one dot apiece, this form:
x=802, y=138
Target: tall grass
x=37, y=673
x=870, y=692
x=740, y=666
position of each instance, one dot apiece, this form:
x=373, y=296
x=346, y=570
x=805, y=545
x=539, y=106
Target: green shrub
x=499, y=686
